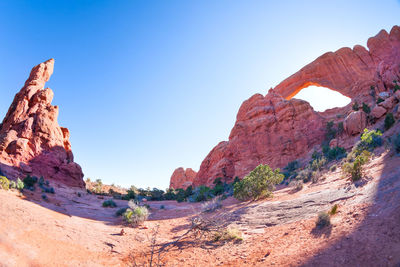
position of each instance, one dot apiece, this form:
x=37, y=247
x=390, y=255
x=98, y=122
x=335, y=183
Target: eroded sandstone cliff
x=31, y=141
x=276, y=129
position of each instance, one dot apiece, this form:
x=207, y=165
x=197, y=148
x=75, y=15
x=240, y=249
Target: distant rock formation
x=182, y=178
x=277, y=128
x=31, y=141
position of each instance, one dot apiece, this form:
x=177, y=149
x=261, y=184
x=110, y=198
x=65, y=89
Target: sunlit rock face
x=182, y=178
x=31, y=141
x=276, y=129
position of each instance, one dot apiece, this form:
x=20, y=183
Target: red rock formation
x=351, y=71
x=268, y=130
x=31, y=141
x=277, y=129
x=182, y=178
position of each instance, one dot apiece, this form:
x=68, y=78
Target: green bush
x=131, y=193
x=366, y=108
x=318, y=164
x=355, y=168
x=296, y=185
x=228, y=234
x=380, y=100
x=258, y=184
x=334, y=153
x=355, y=106
x=120, y=211
x=333, y=210
x=305, y=175
x=30, y=181
x=202, y=193
x=20, y=185
x=330, y=131
x=4, y=183
x=396, y=143
x=323, y=219
x=109, y=203
x=218, y=187
x=13, y=184
x=396, y=86
x=135, y=215
x=369, y=141
x=389, y=121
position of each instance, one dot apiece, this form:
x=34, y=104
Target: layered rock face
x=268, y=130
x=31, y=141
x=277, y=128
x=182, y=178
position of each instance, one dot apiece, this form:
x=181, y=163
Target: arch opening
x=321, y=98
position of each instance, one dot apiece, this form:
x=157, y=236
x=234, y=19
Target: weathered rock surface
x=268, y=130
x=355, y=122
x=377, y=112
x=277, y=128
x=31, y=141
x=182, y=178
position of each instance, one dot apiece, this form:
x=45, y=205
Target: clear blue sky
x=148, y=86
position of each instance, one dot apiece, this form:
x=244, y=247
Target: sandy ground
x=73, y=230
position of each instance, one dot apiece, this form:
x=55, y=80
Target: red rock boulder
x=182, y=178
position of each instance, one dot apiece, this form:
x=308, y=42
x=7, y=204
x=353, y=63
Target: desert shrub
x=290, y=170
x=120, y=211
x=258, y=184
x=333, y=210
x=389, y=121
x=355, y=168
x=369, y=141
x=318, y=164
x=30, y=181
x=180, y=195
x=292, y=166
x=340, y=128
x=13, y=184
x=334, y=153
x=323, y=219
x=223, y=197
x=20, y=184
x=202, y=193
x=135, y=215
x=296, y=185
x=330, y=131
x=315, y=176
x=228, y=234
x=156, y=194
x=4, y=183
x=396, y=143
x=379, y=100
x=188, y=191
x=218, y=187
x=305, y=175
x=333, y=168
x=109, y=203
x=396, y=86
x=46, y=189
x=366, y=108
x=170, y=194
x=211, y=205
x=355, y=106
x=162, y=207
x=316, y=155
x=44, y=197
